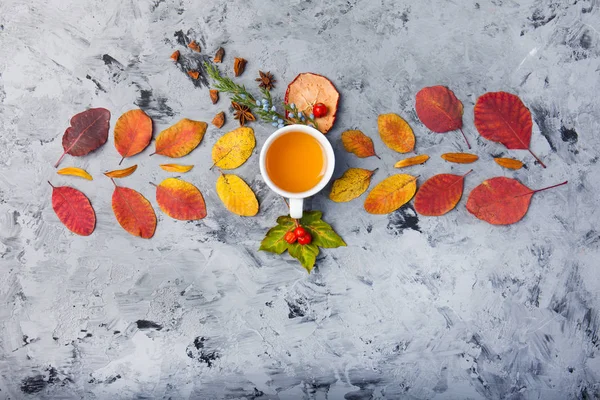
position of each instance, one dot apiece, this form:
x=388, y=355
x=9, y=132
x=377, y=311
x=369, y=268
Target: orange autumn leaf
x=460, y=158
x=391, y=194
x=121, y=173
x=410, y=161
x=180, y=139
x=396, y=133
x=175, y=56
x=176, y=167
x=134, y=212
x=501, y=201
x=133, y=132
x=502, y=117
x=73, y=209
x=358, y=143
x=180, y=200
x=194, y=74
x=194, y=46
x=439, y=110
x=439, y=194
x=509, y=163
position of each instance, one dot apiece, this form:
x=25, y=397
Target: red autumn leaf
x=502, y=117
x=501, y=201
x=439, y=110
x=88, y=131
x=73, y=209
x=439, y=194
x=134, y=212
x=180, y=200
x=133, y=132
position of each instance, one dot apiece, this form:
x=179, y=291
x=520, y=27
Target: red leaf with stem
x=73, y=209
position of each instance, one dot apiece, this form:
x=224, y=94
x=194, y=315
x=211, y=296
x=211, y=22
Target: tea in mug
x=295, y=162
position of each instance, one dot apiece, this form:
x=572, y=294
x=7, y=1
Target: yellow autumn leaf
x=121, y=173
x=509, y=163
x=391, y=194
x=176, y=167
x=396, y=133
x=233, y=148
x=181, y=138
x=460, y=158
x=353, y=183
x=236, y=195
x=74, y=171
x=410, y=161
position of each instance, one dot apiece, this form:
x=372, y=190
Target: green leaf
x=306, y=254
x=323, y=234
x=274, y=241
x=310, y=216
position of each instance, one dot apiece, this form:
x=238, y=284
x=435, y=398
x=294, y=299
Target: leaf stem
x=550, y=187
x=122, y=158
x=153, y=184
x=60, y=159
x=471, y=170
x=50, y=184
x=537, y=158
x=464, y=136
x=113, y=181
x=376, y=155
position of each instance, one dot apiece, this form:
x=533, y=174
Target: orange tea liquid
x=295, y=162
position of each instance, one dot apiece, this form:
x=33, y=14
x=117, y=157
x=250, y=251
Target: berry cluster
x=299, y=234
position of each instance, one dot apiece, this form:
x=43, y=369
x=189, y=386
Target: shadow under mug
x=296, y=199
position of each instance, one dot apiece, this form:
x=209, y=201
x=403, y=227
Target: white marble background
x=413, y=308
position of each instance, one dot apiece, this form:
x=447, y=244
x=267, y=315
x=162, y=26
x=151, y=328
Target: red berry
x=319, y=110
x=290, y=237
x=300, y=231
x=306, y=239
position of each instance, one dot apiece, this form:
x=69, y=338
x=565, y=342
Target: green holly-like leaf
x=323, y=234
x=305, y=253
x=274, y=241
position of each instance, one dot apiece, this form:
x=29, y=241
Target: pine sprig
x=264, y=108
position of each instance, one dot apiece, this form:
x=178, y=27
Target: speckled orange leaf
x=396, y=133
x=353, y=183
x=134, y=212
x=176, y=167
x=460, y=158
x=180, y=139
x=121, y=173
x=358, y=143
x=391, y=194
x=180, y=200
x=133, y=132
x=74, y=171
x=73, y=209
x=410, y=161
x=501, y=201
x=234, y=148
x=236, y=195
x=439, y=194
x=509, y=163
x=439, y=110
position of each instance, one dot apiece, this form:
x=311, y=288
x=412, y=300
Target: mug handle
x=296, y=208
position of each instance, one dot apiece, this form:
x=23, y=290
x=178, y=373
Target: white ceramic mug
x=296, y=199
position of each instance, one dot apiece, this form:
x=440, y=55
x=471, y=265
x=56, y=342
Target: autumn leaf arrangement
x=499, y=116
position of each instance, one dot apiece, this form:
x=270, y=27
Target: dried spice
x=219, y=120
x=175, y=56
x=239, y=65
x=194, y=74
x=266, y=80
x=219, y=55
x=194, y=46
x=242, y=113
x=214, y=95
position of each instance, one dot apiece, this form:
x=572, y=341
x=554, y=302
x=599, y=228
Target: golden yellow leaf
x=236, y=195
x=407, y=162
x=509, y=163
x=391, y=194
x=121, y=173
x=396, y=133
x=353, y=183
x=234, y=148
x=176, y=167
x=181, y=138
x=460, y=158
x=74, y=171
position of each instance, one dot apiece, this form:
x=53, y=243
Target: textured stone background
x=415, y=308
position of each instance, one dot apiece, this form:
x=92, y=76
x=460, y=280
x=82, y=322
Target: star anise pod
x=242, y=113
x=266, y=80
